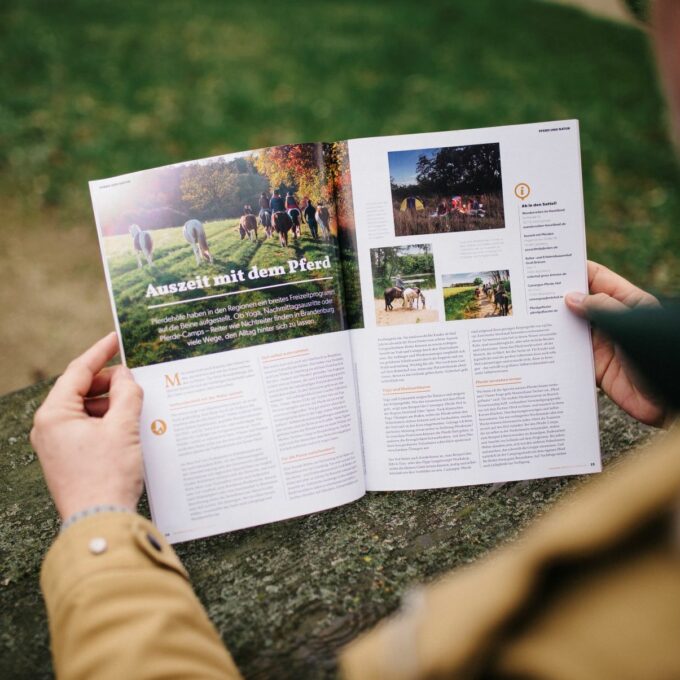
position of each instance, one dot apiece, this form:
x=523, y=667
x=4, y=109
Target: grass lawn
x=94, y=89
x=458, y=300
x=173, y=261
x=460, y=303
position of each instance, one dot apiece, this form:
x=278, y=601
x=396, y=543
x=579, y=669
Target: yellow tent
x=419, y=205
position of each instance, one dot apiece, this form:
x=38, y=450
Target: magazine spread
x=312, y=321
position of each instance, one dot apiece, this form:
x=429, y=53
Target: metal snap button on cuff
x=98, y=545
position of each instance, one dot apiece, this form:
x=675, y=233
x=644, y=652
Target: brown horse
x=295, y=218
x=502, y=303
x=248, y=225
x=391, y=294
x=282, y=225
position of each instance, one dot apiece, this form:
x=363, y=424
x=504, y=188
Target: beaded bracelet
x=93, y=510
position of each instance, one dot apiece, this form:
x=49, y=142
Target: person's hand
x=88, y=444
x=611, y=292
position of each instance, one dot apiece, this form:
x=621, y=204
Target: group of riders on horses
x=496, y=294
x=274, y=209
x=276, y=215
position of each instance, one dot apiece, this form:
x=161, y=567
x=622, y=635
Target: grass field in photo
x=458, y=301
x=173, y=261
x=462, y=302
x=407, y=223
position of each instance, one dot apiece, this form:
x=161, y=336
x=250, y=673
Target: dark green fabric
x=650, y=337
x=640, y=8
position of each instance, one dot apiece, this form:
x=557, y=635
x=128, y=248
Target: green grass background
x=457, y=301
x=173, y=261
x=91, y=89
x=94, y=89
x=460, y=300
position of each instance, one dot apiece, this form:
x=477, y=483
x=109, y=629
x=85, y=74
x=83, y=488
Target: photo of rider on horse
x=403, y=280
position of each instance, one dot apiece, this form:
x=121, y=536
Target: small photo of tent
x=411, y=203
x=446, y=189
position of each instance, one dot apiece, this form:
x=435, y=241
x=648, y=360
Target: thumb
x=125, y=396
x=585, y=305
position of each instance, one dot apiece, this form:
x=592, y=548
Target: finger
x=125, y=396
x=574, y=302
x=604, y=280
x=97, y=408
x=100, y=382
x=79, y=374
x=584, y=305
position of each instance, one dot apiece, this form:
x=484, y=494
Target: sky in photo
x=415, y=249
x=403, y=164
x=457, y=279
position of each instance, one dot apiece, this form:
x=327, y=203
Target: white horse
x=323, y=218
x=195, y=235
x=142, y=244
x=412, y=295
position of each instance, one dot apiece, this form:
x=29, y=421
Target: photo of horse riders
x=446, y=189
x=477, y=295
x=404, y=285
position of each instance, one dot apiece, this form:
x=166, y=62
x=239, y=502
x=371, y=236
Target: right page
x=470, y=369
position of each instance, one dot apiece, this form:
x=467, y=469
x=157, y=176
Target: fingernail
x=575, y=298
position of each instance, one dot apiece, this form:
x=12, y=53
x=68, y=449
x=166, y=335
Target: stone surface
x=284, y=596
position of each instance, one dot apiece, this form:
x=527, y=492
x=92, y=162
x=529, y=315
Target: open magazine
x=313, y=321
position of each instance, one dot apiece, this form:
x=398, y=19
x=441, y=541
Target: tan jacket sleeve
x=591, y=590
x=120, y=605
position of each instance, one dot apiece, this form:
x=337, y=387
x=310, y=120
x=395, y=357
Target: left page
x=227, y=296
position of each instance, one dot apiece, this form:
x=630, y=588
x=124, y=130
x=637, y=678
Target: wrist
x=71, y=499
x=73, y=507
x=93, y=510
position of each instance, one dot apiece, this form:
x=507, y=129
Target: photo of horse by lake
x=404, y=287
x=477, y=295
x=446, y=189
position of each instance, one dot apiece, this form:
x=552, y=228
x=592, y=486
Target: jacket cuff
x=104, y=542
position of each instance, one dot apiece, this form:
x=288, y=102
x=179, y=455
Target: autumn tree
x=339, y=182
x=296, y=167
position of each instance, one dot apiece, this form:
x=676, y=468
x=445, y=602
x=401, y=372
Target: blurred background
x=94, y=89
